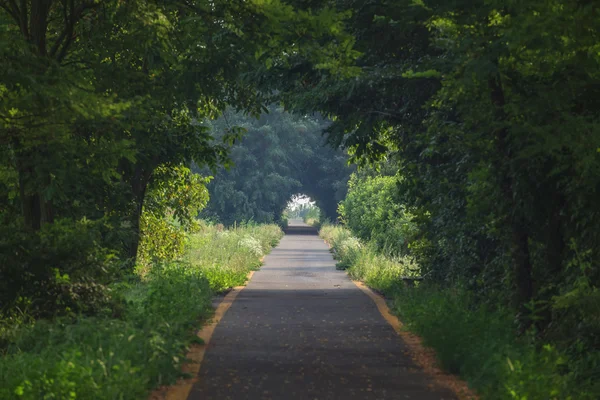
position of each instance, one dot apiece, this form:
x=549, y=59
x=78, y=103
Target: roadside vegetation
x=474, y=335
x=138, y=338
x=474, y=341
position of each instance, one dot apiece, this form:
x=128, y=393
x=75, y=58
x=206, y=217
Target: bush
x=60, y=270
x=372, y=213
x=105, y=358
x=283, y=222
x=172, y=204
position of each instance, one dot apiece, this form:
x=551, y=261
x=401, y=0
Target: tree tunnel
x=279, y=156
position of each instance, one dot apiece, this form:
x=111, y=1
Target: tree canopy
x=99, y=105
x=489, y=112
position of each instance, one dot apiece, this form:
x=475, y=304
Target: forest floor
x=303, y=330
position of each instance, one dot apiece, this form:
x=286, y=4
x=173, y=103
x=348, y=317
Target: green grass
x=364, y=262
x=471, y=340
x=142, y=346
x=480, y=344
x=227, y=256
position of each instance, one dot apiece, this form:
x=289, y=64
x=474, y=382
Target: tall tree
x=489, y=110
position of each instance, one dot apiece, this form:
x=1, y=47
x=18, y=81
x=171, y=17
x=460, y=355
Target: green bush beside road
x=471, y=339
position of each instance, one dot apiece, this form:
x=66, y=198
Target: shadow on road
x=300, y=230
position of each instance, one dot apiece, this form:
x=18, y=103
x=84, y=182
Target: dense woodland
x=475, y=123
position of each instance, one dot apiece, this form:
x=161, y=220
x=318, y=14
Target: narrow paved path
x=302, y=330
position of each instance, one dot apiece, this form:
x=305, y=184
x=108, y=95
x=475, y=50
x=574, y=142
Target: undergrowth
x=475, y=341
x=140, y=343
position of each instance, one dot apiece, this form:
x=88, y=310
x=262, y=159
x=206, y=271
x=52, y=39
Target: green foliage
x=280, y=155
x=473, y=340
x=313, y=220
x=60, y=270
x=283, y=222
x=365, y=262
x=172, y=204
x=99, y=110
x=487, y=113
x=372, y=211
x=303, y=210
x=226, y=256
x=312, y=213
x=104, y=358
x=346, y=247
x=107, y=357
x=480, y=344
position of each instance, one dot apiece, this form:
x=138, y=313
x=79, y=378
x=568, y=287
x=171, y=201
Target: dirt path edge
x=423, y=356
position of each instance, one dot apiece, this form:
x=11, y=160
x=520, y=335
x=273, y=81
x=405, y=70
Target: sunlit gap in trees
x=301, y=207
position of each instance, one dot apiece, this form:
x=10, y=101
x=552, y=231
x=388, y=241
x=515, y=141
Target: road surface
x=302, y=330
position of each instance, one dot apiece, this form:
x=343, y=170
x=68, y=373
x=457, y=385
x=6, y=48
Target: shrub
x=172, y=204
x=105, y=358
x=372, y=213
x=59, y=270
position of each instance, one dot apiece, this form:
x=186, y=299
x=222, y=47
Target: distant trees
x=279, y=155
x=302, y=211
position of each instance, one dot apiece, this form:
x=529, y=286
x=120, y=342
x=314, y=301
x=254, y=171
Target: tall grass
x=225, y=256
x=140, y=343
x=363, y=262
x=476, y=342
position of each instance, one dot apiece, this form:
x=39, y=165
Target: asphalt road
x=302, y=330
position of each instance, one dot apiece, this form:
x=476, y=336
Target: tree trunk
x=555, y=241
x=555, y=247
x=522, y=266
x=39, y=24
x=36, y=210
x=135, y=218
x=139, y=184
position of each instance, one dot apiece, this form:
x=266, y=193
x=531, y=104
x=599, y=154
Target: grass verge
x=477, y=343
x=141, y=342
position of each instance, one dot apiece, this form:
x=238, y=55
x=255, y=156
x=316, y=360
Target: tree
x=97, y=96
x=488, y=109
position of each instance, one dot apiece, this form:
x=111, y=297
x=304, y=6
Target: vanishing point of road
x=302, y=330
